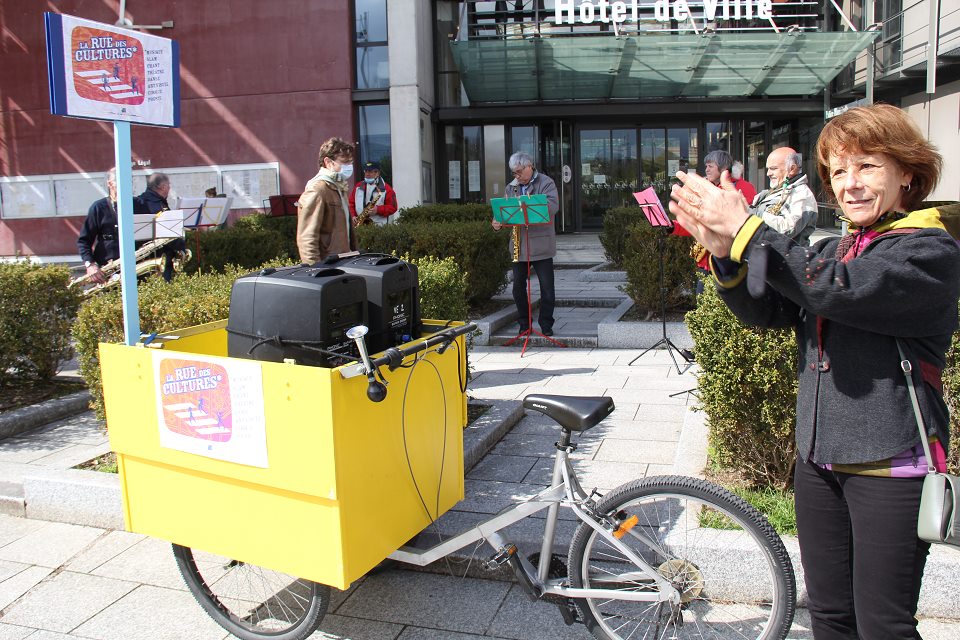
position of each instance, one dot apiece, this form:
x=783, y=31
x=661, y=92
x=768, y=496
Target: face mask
x=369, y=180
x=346, y=171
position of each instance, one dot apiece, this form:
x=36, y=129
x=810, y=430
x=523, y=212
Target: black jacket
x=99, y=239
x=152, y=202
x=852, y=403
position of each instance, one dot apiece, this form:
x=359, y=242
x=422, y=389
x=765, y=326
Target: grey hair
x=794, y=159
x=519, y=160
x=111, y=177
x=736, y=170
x=721, y=158
x=157, y=180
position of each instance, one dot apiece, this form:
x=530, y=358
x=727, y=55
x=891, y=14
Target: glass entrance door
x=663, y=152
x=609, y=171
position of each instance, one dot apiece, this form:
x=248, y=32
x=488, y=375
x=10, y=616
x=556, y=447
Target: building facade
x=608, y=97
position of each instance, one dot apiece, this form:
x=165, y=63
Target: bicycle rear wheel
x=250, y=601
x=736, y=582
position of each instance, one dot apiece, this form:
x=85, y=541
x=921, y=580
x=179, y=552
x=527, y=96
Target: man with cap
x=373, y=200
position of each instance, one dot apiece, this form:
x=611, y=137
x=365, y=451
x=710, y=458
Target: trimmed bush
x=471, y=212
x=748, y=388
x=613, y=238
x=247, y=246
x=443, y=289
x=36, y=309
x=481, y=253
x=641, y=261
x=951, y=393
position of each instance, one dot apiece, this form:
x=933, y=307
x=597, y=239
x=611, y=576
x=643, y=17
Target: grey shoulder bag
x=938, y=501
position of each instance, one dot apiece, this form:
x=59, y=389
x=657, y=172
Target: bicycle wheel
x=250, y=601
x=736, y=582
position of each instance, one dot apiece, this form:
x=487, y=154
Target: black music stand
x=654, y=213
x=523, y=212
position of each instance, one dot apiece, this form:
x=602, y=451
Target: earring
x=907, y=187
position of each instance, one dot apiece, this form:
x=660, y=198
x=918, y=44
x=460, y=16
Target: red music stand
x=516, y=212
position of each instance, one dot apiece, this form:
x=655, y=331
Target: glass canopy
x=654, y=65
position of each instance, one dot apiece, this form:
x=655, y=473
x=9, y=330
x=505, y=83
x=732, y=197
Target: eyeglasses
x=519, y=172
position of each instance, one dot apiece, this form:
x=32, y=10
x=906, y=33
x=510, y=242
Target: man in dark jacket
x=99, y=239
x=535, y=243
x=154, y=199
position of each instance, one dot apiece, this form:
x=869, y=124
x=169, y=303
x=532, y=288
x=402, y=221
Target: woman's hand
x=712, y=215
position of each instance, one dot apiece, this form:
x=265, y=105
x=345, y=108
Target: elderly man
x=154, y=200
x=789, y=205
x=536, y=244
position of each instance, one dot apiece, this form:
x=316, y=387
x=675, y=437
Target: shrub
x=470, y=212
x=443, y=289
x=641, y=261
x=481, y=253
x=613, y=238
x=748, y=388
x=951, y=392
x=186, y=301
x=36, y=309
x=248, y=246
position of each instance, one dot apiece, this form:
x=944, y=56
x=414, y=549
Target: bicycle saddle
x=576, y=413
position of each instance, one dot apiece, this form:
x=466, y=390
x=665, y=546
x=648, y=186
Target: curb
x=613, y=334
x=596, y=274
x=26, y=418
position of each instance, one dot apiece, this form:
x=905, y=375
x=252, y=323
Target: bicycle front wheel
x=734, y=582
x=252, y=602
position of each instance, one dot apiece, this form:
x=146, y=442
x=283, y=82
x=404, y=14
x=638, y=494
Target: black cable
x=283, y=342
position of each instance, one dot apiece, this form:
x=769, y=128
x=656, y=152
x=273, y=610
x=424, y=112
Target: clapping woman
x=894, y=277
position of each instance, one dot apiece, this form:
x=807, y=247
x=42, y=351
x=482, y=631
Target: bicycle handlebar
x=393, y=356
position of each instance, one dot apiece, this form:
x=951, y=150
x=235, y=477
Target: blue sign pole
x=128, y=264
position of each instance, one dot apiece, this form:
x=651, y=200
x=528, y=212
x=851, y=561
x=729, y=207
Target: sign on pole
x=107, y=73
x=103, y=72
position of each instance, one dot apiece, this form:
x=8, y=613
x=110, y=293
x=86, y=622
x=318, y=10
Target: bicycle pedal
x=501, y=557
x=568, y=611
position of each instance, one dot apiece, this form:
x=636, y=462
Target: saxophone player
x=99, y=240
x=789, y=205
x=373, y=200
x=536, y=245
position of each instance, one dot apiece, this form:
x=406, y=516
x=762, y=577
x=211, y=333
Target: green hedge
x=445, y=213
x=613, y=237
x=36, y=309
x=247, y=244
x=481, y=253
x=748, y=388
x=951, y=392
x=642, y=263
x=443, y=289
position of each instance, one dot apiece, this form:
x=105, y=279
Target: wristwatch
x=87, y=263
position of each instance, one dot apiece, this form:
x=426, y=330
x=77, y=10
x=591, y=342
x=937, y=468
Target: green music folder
x=530, y=209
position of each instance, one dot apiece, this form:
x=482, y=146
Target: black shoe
x=547, y=332
x=523, y=330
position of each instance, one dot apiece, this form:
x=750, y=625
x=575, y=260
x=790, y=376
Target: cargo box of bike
x=283, y=465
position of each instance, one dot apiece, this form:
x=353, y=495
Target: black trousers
x=544, y=271
x=862, y=559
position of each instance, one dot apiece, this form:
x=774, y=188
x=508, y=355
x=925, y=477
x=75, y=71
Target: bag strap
x=907, y=369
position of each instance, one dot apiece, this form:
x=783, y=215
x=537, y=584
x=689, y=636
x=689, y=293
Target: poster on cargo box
x=211, y=407
x=105, y=72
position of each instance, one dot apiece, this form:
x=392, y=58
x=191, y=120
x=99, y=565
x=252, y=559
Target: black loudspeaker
x=393, y=297
x=294, y=312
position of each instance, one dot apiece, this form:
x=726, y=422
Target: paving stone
x=501, y=467
x=73, y=455
x=419, y=633
x=9, y=569
x=13, y=528
x=426, y=600
x=486, y=496
x=21, y=582
x=149, y=561
x=11, y=632
x=521, y=619
x=83, y=428
x=51, y=635
x=336, y=627
x=651, y=397
x=534, y=445
x=66, y=600
x=104, y=549
x=152, y=613
x=25, y=450
x=615, y=450
x=50, y=545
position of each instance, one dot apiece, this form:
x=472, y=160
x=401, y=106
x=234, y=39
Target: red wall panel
x=260, y=82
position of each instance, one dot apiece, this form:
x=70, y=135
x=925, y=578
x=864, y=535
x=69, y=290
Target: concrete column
x=411, y=100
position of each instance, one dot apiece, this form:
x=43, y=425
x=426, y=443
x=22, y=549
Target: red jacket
x=385, y=210
x=747, y=189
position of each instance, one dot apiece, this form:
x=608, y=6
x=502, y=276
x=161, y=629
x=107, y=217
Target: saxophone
x=364, y=216
x=516, y=243
x=145, y=267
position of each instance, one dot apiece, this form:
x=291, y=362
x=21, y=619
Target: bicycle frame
x=565, y=491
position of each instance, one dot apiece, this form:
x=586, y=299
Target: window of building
x=374, y=125
x=373, y=67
